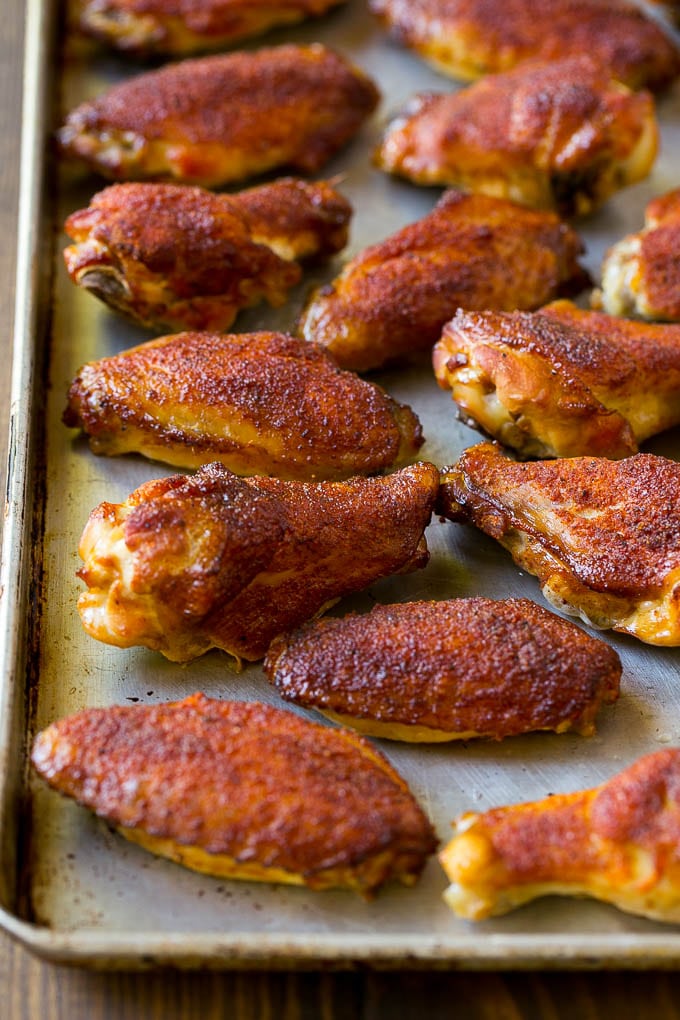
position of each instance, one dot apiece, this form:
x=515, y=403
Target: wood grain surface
x=33, y=990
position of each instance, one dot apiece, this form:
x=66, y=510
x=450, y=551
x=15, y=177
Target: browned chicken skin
x=431, y=671
x=393, y=299
x=470, y=38
x=214, y=561
x=168, y=255
x=241, y=790
x=176, y=27
x=557, y=136
x=618, y=842
x=562, y=382
x=260, y=403
x=641, y=273
x=221, y=119
x=602, y=536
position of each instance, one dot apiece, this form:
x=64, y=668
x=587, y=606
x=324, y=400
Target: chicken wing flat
x=241, y=790
x=617, y=842
x=393, y=299
x=169, y=255
x=602, y=536
x=221, y=119
x=260, y=403
x=434, y=671
x=186, y=564
x=641, y=273
x=562, y=382
x=560, y=136
x=177, y=27
x=470, y=38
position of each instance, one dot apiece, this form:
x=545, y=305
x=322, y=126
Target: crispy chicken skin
x=561, y=382
x=470, y=38
x=177, y=27
x=190, y=563
x=433, y=671
x=393, y=299
x=641, y=273
x=169, y=255
x=217, y=120
x=618, y=842
x=241, y=790
x=602, y=536
x=559, y=136
x=260, y=403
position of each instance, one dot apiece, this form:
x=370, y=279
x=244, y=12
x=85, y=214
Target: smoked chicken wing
x=216, y=120
x=471, y=251
x=177, y=27
x=559, y=136
x=562, y=382
x=641, y=273
x=241, y=790
x=260, y=403
x=169, y=255
x=433, y=671
x=470, y=38
x=189, y=563
x=618, y=842
x=602, y=536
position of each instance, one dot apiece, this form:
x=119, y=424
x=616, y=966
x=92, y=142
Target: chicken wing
x=618, y=842
x=241, y=790
x=176, y=27
x=433, y=671
x=186, y=564
x=641, y=273
x=559, y=136
x=602, y=536
x=168, y=255
x=260, y=403
x=221, y=119
x=393, y=299
x=562, y=382
x=470, y=38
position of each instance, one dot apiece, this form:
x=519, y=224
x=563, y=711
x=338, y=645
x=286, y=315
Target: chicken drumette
x=214, y=561
x=169, y=255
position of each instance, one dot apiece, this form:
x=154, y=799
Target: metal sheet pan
x=73, y=891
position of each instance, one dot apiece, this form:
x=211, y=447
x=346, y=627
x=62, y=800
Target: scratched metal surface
x=88, y=895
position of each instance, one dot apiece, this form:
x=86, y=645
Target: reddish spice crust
x=494, y=667
x=237, y=778
x=627, y=548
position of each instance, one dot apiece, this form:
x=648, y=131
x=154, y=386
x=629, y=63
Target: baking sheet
x=71, y=888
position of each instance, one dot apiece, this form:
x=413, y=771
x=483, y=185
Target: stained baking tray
x=72, y=890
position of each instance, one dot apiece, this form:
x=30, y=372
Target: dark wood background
x=33, y=990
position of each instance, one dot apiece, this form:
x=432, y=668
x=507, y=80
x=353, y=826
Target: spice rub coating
x=392, y=300
x=189, y=563
x=560, y=136
x=451, y=670
x=260, y=403
x=177, y=27
x=470, y=38
x=617, y=842
x=220, y=119
x=641, y=273
x=170, y=255
x=562, y=382
x=602, y=536
x=241, y=790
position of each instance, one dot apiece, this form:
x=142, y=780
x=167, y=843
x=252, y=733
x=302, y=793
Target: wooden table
x=33, y=990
